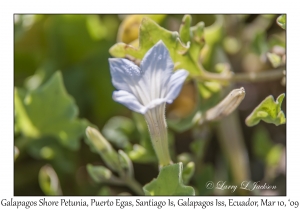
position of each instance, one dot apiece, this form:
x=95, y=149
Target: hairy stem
x=157, y=125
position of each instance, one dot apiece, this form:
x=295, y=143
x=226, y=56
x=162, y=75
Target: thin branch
x=268, y=75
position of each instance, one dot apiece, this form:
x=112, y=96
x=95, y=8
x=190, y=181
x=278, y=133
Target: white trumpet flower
x=146, y=90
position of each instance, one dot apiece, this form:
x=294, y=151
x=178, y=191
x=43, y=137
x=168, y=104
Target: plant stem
x=157, y=125
x=135, y=186
x=267, y=75
x=233, y=146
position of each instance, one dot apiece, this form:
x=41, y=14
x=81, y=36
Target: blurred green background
x=78, y=46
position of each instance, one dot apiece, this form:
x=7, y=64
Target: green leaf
x=150, y=34
x=40, y=76
x=182, y=55
x=49, y=111
x=269, y=111
x=129, y=28
x=184, y=30
x=259, y=43
x=117, y=129
x=168, y=182
x=281, y=21
x=95, y=27
x=49, y=149
x=274, y=59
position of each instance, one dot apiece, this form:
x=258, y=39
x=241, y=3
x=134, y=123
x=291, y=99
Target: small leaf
x=49, y=181
x=269, y=111
x=169, y=182
x=281, y=21
x=274, y=59
x=184, y=30
x=49, y=110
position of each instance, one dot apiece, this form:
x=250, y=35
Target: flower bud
x=103, y=148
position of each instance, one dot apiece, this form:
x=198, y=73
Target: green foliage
x=262, y=143
x=269, y=152
x=101, y=146
x=281, y=21
x=150, y=33
x=128, y=30
x=184, y=30
x=186, y=123
x=49, y=110
x=206, y=174
x=142, y=152
x=50, y=150
x=169, y=182
x=48, y=122
x=269, y=111
x=117, y=130
x=259, y=44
